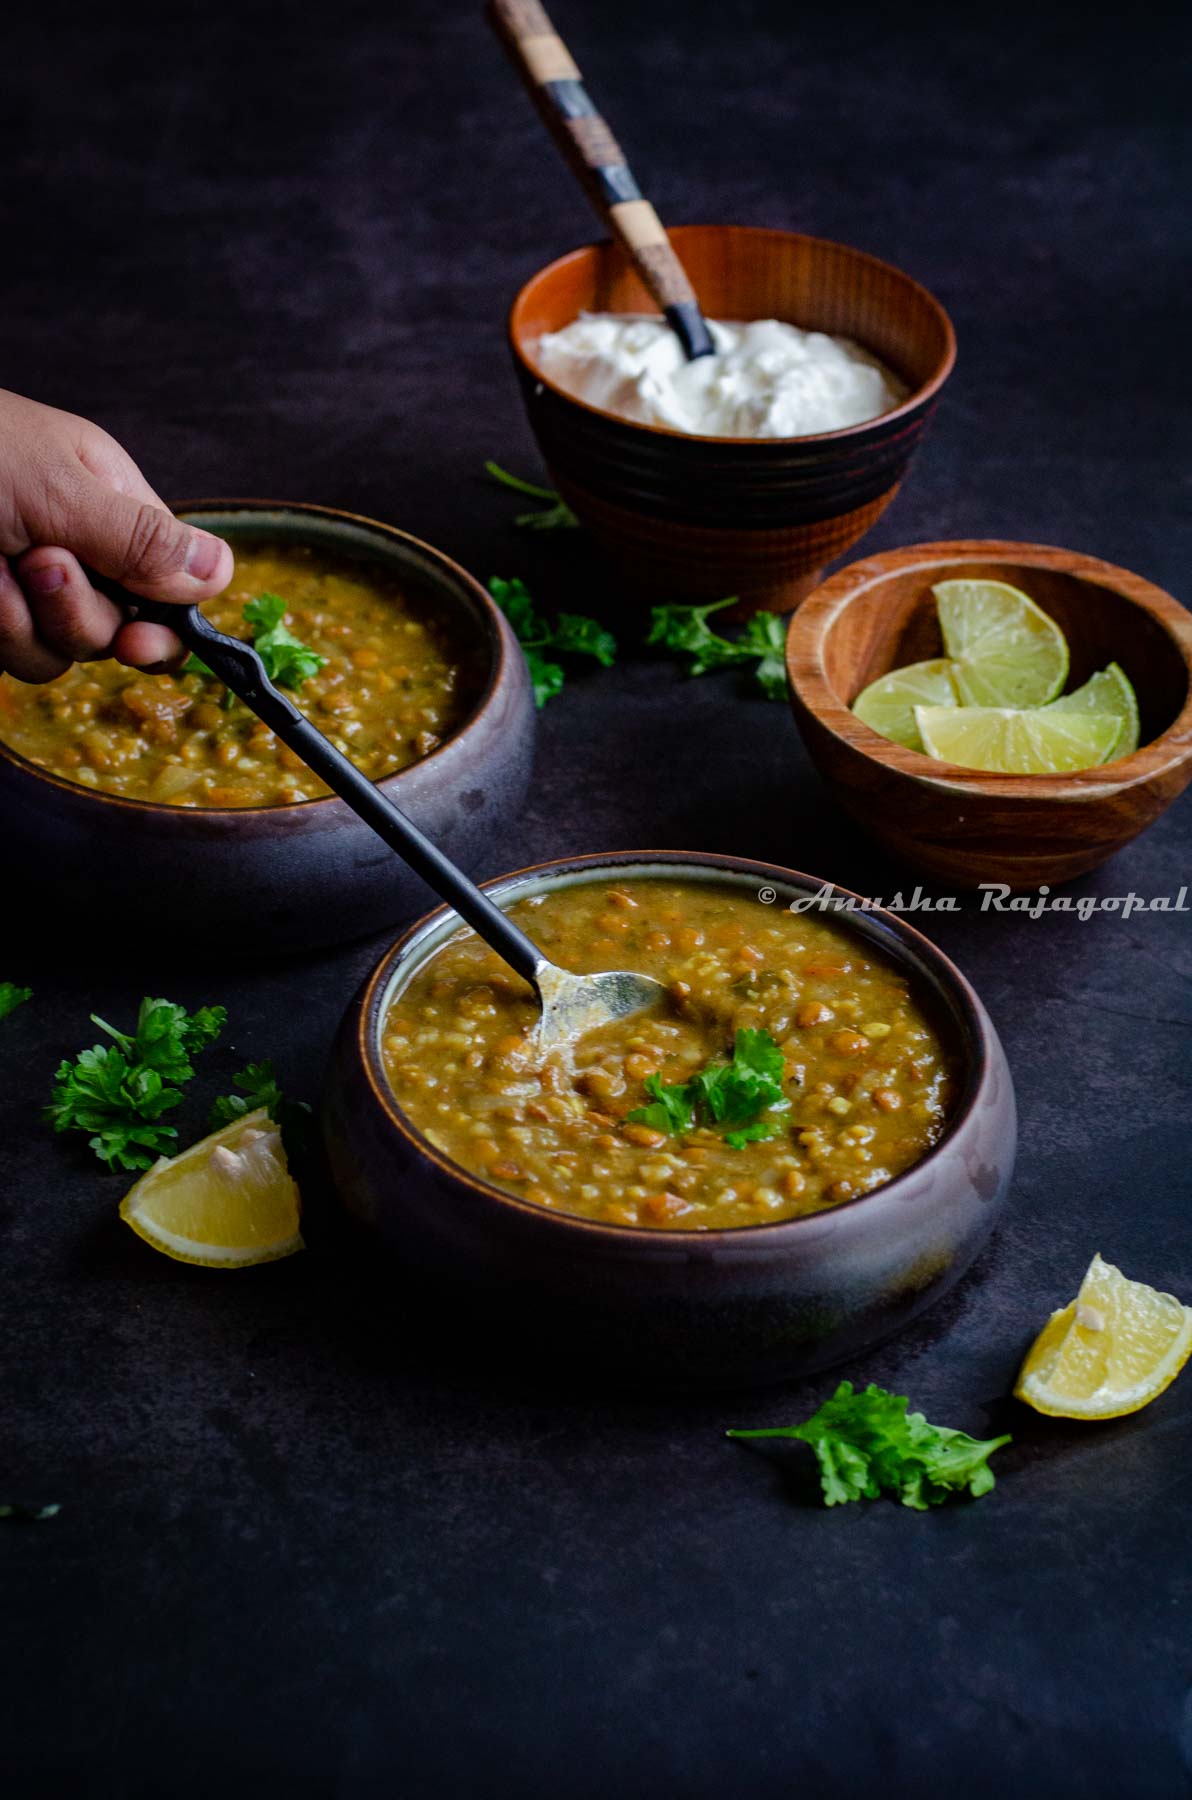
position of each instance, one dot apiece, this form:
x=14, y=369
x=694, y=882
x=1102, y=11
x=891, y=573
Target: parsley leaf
x=119, y=1092
x=765, y=637
x=513, y=598
x=686, y=629
x=11, y=997
x=581, y=636
x=546, y=678
x=672, y=1108
x=17, y=1509
x=732, y=1093
x=167, y=1036
x=102, y=1092
x=753, y=1134
x=763, y=640
x=287, y=660
x=572, y=634
x=867, y=1444
x=259, y=1087
x=557, y=516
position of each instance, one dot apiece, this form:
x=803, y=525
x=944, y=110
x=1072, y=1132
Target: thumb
x=138, y=543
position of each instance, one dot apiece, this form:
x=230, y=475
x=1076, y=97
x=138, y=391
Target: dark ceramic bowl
x=965, y=826
x=288, y=877
x=706, y=517
x=693, y=1308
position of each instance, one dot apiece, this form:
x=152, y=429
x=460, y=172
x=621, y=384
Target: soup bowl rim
x=494, y=639
x=913, y=951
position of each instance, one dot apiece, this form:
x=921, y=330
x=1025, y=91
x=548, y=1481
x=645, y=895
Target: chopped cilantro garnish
x=572, y=634
x=12, y=996
x=762, y=641
x=557, y=516
x=725, y=1093
x=764, y=637
x=672, y=1109
x=258, y=1087
x=867, y=1444
x=287, y=660
x=119, y=1092
x=753, y=1134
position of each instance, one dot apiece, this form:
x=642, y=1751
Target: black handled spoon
x=570, y=1003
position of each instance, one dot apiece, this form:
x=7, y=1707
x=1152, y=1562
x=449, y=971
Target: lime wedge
x=1006, y=741
x=1007, y=651
x=888, y=704
x=1109, y=691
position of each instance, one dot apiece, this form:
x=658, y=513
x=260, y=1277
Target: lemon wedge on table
x=1006, y=650
x=227, y=1202
x=1005, y=741
x=888, y=704
x=1114, y=1349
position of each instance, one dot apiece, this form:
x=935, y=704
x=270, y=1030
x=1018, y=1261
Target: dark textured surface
x=312, y=1540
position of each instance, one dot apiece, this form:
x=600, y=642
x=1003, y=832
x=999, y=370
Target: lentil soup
x=867, y=1084
x=398, y=679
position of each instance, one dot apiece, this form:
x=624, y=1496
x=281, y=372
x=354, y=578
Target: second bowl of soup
x=171, y=801
x=797, y=1151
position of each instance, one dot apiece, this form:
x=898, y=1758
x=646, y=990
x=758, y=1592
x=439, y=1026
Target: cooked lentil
x=865, y=1103
x=398, y=681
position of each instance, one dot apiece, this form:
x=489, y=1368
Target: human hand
x=69, y=495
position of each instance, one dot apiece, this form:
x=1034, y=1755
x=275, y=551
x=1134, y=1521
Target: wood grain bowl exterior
x=694, y=1309
x=960, y=825
x=261, y=879
x=700, y=517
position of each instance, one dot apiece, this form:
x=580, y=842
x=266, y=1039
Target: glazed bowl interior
x=742, y=273
x=441, y=588
x=436, y=584
x=890, y=623
x=940, y=989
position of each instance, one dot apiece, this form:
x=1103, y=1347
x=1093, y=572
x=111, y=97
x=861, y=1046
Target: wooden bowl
x=705, y=517
x=963, y=825
x=692, y=1308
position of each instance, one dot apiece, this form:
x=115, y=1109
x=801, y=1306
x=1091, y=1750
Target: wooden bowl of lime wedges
x=992, y=711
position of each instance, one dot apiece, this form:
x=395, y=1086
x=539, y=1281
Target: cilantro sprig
x=287, y=660
x=28, y=1514
x=120, y=1092
x=259, y=1087
x=762, y=641
x=12, y=996
x=571, y=634
x=555, y=516
x=868, y=1444
x=724, y=1093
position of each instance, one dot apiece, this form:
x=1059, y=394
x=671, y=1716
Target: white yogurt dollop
x=767, y=379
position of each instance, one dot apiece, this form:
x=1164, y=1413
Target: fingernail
x=202, y=559
x=46, y=580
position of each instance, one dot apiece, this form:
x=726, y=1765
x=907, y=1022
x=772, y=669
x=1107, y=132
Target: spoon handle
x=240, y=668
x=593, y=154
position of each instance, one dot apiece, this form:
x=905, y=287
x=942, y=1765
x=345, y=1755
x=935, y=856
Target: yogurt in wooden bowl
x=702, y=516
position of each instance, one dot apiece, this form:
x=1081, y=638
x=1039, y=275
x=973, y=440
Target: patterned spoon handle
x=594, y=156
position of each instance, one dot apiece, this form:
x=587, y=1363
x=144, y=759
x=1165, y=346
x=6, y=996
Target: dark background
x=313, y=1538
